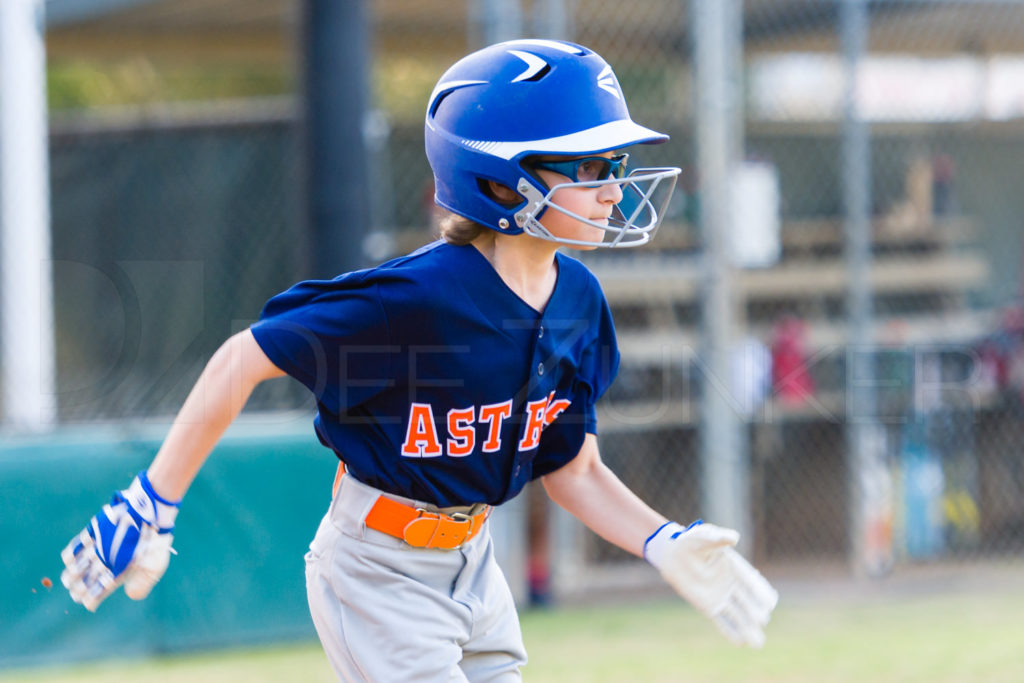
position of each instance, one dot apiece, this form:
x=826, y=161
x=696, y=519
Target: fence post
x=725, y=458
x=494, y=21
x=336, y=45
x=868, y=477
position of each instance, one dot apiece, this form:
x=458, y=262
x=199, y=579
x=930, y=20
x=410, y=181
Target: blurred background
x=824, y=346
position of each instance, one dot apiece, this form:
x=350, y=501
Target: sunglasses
x=587, y=169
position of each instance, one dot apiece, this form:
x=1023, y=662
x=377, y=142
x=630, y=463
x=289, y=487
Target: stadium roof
x=191, y=29
x=266, y=29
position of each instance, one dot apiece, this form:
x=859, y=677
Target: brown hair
x=459, y=230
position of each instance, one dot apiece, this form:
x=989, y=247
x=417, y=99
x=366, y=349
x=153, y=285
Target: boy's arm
x=598, y=498
x=217, y=398
x=129, y=540
x=698, y=561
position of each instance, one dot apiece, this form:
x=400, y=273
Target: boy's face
x=594, y=203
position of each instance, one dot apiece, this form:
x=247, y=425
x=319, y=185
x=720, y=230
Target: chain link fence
x=170, y=231
x=168, y=236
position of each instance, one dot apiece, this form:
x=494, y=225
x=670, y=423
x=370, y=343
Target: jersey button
x=540, y=368
x=540, y=332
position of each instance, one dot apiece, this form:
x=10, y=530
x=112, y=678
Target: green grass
x=959, y=639
x=932, y=638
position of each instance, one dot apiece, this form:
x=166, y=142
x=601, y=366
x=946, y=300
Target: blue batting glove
x=127, y=542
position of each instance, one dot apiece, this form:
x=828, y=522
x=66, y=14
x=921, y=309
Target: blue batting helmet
x=497, y=106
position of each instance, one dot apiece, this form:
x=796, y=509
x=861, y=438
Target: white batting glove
x=127, y=542
x=702, y=565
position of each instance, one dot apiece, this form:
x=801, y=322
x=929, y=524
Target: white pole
x=869, y=479
x=26, y=333
x=725, y=458
x=554, y=19
x=495, y=21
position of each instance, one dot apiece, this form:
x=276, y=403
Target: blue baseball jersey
x=435, y=381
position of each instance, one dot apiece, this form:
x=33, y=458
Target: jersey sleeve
x=598, y=364
x=598, y=367
x=333, y=337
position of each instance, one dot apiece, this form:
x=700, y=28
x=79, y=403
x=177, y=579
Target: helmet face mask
x=497, y=108
x=634, y=221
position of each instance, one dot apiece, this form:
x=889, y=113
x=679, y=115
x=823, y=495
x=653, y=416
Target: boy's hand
x=127, y=542
x=701, y=564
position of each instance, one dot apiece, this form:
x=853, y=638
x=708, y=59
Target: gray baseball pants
x=387, y=612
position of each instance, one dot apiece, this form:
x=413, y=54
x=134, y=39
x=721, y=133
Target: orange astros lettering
x=421, y=434
x=494, y=414
x=461, y=433
x=422, y=439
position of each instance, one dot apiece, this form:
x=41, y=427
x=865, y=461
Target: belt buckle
x=463, y=517
x=426, y=530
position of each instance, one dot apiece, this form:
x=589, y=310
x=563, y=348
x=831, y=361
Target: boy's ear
x=503, y=193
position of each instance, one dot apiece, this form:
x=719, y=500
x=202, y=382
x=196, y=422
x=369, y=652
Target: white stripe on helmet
x=607, y=136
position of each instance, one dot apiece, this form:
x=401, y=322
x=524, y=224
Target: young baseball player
x=445, y=381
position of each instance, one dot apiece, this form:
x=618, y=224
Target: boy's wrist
x=656, y=543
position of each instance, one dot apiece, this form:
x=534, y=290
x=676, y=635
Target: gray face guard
x=634, y=221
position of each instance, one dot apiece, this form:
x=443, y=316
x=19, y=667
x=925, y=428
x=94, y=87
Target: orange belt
x=418, y=527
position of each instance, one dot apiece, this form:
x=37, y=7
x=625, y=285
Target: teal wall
x=241, y=535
